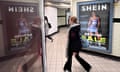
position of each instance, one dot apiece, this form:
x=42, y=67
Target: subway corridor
x=56, y=57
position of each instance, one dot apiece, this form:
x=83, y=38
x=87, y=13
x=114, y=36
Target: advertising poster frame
x=101, y=39
x=22, y=34
x=17, y=38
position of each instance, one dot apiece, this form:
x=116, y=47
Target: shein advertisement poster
x=95, y=19
x=21, y=26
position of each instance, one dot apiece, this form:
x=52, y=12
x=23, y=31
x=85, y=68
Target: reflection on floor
x=56, y=57
x=37, y=66
x=26, y=63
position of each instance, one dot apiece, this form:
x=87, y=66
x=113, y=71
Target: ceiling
x=58, y=3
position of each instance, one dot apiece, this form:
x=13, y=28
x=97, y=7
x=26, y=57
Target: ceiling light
x=48, y=3
x=62, y=4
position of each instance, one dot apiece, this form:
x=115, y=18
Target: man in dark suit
x=74, y=46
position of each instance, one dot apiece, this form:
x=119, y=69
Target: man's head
x=73, y=20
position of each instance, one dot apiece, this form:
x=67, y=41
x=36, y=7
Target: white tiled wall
x=51, y=13
x=61, y=20
x=116, y=31
x=116, y=39
x=116, y=10
x=74, y=6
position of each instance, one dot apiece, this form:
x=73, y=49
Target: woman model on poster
x=22, y=24
x=93, y=25
x=47, y=26
x=74, y=46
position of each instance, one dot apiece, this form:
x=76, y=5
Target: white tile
x=56, y=57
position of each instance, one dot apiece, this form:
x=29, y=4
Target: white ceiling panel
x=65, y=1
x=58, y=3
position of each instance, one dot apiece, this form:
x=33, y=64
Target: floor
x=37, y=66
x=56, y=57
x=15, y=64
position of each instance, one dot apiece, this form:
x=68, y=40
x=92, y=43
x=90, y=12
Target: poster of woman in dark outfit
x=74, y=46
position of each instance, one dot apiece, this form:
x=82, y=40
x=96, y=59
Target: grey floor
x=37, y=66
x=56, y=57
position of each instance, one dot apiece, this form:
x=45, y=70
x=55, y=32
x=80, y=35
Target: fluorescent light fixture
x=48, y=3
x=62, y=4
x=59, y=5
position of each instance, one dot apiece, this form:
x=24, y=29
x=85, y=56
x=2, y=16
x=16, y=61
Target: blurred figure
x=93, y=25
x=23, y=27
x=74, y=46
x=47, y=26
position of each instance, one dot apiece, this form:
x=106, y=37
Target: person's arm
x=71, y=34
x=89, y=22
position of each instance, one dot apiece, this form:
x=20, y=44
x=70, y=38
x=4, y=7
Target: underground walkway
x=56, y=57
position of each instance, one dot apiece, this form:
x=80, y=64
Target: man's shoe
x=52, y=40
x=67, y=71
x=88, y=70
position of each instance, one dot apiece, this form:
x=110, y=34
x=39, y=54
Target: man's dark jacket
x=74, y=42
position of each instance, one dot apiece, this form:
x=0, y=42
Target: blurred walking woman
x=74, y=46
x=47, y=26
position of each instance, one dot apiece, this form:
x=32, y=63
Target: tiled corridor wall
x=51, y=13
x=116, y=32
